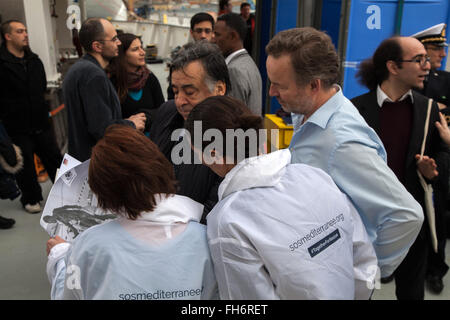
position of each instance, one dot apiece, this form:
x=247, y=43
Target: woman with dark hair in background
x=137, y=87
x=279, y=230
x=155, y=249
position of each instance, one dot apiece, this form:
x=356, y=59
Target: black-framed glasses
x=201, y=30
x=422, y=60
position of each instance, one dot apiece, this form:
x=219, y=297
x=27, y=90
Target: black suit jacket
x=369, y=109
x=195, y=181
x=23, y=108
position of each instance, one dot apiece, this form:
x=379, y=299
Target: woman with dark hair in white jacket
x=279, y=230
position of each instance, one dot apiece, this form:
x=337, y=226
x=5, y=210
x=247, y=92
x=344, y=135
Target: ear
x=315, y=85
x=392, y=67
x=8, y=36
x=192, y=34
x=220, y=88
x=234, y=35
x=97, y=46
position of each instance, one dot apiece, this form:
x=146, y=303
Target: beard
x=109, y=57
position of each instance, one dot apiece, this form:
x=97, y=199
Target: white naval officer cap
x=433, y=35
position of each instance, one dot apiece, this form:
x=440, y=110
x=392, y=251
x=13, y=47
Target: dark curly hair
x=373, y=71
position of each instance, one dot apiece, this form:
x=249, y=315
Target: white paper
x=67, y=163
x=71, y=206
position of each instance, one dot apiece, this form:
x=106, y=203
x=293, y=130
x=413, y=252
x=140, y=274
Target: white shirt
x=382, y=97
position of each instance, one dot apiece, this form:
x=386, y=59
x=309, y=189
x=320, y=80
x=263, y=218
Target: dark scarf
x=137, y=79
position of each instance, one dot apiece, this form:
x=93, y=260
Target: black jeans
x=43, y=143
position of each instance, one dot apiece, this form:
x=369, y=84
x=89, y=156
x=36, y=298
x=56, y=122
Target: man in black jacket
x=91, y=99
x=199, y=71
x=397, y=114
x=24, y=111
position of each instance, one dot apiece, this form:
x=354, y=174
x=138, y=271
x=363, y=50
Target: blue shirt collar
x=324, y=113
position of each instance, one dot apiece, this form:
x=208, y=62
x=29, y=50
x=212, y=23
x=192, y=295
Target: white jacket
x=162, y=255
x=285, y=231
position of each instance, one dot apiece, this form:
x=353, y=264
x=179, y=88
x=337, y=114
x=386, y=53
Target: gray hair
x=211, y=58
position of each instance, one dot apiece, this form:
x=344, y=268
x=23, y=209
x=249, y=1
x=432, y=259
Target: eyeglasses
x=422, y=60
x=201, y=30
x=114, y=39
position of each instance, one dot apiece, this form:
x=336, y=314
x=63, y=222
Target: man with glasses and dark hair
x=202, y=26
x=398, y=115
x=91, y=100
x=437, y=87
x=25, y=112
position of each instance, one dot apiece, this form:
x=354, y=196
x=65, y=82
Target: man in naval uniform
x=437, y=87
x=437, y=84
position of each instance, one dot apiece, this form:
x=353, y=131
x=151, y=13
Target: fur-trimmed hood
x=19, y=164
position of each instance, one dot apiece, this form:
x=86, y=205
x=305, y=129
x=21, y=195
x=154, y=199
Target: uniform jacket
x=437, y=86
x=23, y=83
x=369, y=109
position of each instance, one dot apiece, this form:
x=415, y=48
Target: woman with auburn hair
x=137, y=87
x=155, y=249
x=279, y=230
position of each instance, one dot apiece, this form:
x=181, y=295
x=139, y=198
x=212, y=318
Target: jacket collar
x=9, y=57
x=173, y=209
x=235, y=55
x=382, y=96
x=91, y=58
x=262, y=171
x=322, y=115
